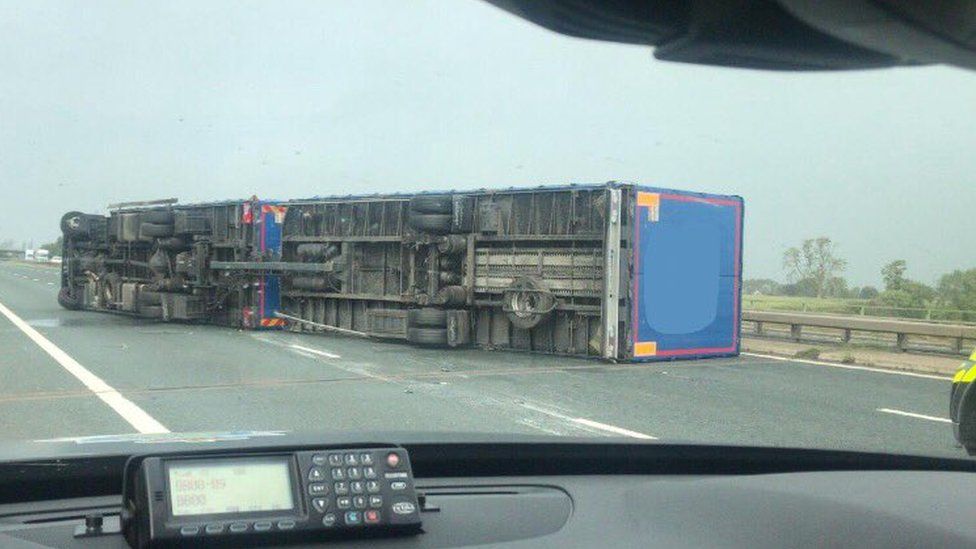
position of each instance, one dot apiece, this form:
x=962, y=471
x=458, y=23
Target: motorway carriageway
x=74, y=373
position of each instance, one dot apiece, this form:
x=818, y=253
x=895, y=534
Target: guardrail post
x=957, y=345
x=795, y=331
x=901, y=341
x=847, y=335
x=759, y=328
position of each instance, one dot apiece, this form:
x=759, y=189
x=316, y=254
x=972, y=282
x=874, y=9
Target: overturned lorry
x=616, y=271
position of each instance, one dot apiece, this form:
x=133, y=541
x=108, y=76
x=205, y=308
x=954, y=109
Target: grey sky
x=108, y=101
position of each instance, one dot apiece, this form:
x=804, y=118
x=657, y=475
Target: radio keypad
x=360, y=483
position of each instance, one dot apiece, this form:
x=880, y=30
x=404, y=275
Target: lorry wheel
x=74, y=224
x=149, y=297
x=151, y=311
x=155, y=230
x=164, y=217
x=452, y=244
x=66, y=300
x=427, y=336
x=427, y=318
x=432, y=204
x=431, y=223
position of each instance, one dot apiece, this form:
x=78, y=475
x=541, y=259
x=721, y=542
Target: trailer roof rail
x=160, y=202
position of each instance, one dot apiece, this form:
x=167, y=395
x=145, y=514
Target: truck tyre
x=427, y=336
x=164, y=217
x=66, y=300
x=151, y=311
x=155, y=230
x=452, y=244
x=431, y=223
x=432, y=204
x=149, y=297
x=74, y=224
x=427, y=318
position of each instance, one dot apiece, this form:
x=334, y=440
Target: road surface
x=72, y=373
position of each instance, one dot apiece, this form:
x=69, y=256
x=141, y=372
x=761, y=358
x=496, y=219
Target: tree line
x=814, y=269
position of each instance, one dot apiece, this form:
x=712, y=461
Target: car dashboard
x=541, y=493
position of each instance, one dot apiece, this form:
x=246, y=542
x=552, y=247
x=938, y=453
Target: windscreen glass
x=225, y=220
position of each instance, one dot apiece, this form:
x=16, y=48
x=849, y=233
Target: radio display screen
x=221, y=486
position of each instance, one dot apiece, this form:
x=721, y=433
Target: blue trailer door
x=271, y=219
x=686, y=274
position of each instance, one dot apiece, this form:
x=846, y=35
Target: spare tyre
x=68, y=301
x=431, y=223
x=432, y=204
x=74, y=224
x=164, y=217
x=155, y=230
x=427, y=336
x=427, y=317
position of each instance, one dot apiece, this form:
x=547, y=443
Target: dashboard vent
x=158, y=495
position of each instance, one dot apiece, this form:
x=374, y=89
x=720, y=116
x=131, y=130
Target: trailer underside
x=538, y=269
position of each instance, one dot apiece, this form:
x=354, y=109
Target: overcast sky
x=109, y=101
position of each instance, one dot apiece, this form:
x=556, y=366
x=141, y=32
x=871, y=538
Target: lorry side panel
x=612, y=270
x=686, y=274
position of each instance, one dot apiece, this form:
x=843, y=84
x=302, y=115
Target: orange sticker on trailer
x=645, y=348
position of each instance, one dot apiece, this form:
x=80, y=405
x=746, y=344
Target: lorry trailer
x=616, y=271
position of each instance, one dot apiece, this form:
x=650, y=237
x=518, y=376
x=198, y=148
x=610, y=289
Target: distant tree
x=893, y=274
x=54, y=248
x=7, y=244
x=806, y=287
x=910, y=294
x=836, y=287
x=815, y=261
x=901, y=291
x=867, y=292
x=790, y=289
x=764, y=286
x=957, y=290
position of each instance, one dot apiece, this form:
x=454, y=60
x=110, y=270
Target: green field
x=843, y=306
x=814, y=305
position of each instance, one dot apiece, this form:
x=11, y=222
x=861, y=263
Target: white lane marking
x=590, y=423
x=612, y=428
x=136, y=416
x=914, y=415
x=314, y=351
x=50, y=284
x=305, y=351
x=537, y=426
x=850, y=367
